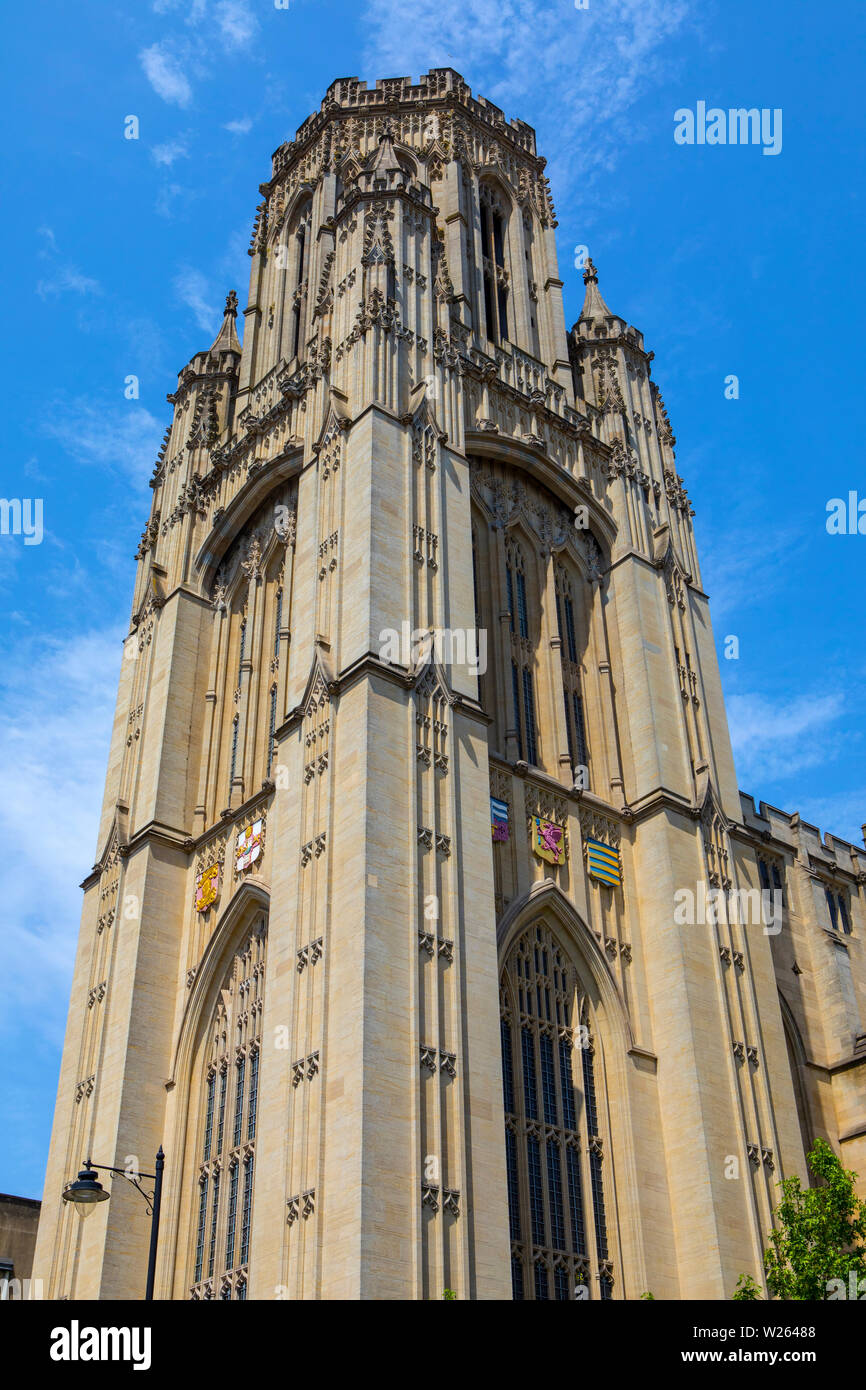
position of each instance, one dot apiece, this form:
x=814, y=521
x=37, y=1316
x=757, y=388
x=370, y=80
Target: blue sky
x=119, y=254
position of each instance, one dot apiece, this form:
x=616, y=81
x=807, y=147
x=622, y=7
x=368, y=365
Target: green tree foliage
x=747, y=1291
x=820, y=1236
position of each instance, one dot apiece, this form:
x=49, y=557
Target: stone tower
x=419, y=751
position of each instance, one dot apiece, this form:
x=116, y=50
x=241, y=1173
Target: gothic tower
x=419, y=737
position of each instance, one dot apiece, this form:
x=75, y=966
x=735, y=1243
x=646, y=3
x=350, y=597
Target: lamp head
x=86, y=1191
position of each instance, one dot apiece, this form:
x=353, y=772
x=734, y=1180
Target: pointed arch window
x=202, y=1217
x=236, y=724
x=494, y=221
x=838, y=910
x=522, y=682
x=225, y=1200
x=272, y=726
x=531, y=285
x=299, y=242
x=278, y=622
x=554, y=1151
x=578, y=749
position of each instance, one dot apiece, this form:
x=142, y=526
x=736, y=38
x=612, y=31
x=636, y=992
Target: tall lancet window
x=224, y=1194
x=554, y=1150
x=299, y=244
x=531, y=283
x=522, y=683
x=571, y=687
x=494, y=275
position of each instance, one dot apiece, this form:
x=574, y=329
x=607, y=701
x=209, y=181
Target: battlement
x=443, y=85
x=803, y=837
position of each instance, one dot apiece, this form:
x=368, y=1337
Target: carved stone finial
x=232, y=304
x=590, y=274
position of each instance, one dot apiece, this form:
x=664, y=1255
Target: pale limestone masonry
x=423, y=1023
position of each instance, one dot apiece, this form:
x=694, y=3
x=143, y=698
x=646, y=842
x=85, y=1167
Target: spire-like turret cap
x=594, y=306
x=385, y=159
x=227, y=339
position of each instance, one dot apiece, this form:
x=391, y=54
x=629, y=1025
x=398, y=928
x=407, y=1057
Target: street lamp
x=86, y=1192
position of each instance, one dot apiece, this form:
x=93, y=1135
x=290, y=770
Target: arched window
x=522, y=684
x=272, y=726
x=531, y=283
x=571, y=689
x=553, y=1142
x=300, y=247
x=224, y=1202
x=494, y=220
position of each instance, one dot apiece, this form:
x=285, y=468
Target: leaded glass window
x=239, y=1099
x=278, y=622
x=226, y=1193
x=272, y=726
x=202, y=1217
x=214, y=1209
x=493, y=218
x=578, y=749
x=555, y=1107
x=208, y=1124
x=522, y=655
x=234, y=762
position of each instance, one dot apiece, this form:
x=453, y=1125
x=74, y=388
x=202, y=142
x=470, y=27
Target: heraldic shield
x=207, y=887
x=249, y=846
x=548, y=840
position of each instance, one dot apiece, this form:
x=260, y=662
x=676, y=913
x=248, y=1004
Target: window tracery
x=553, y=1145
x=232, y=1050
x=494, y=221
x=522, y=682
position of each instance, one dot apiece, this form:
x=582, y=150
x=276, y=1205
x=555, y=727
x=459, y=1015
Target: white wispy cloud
x=243, y=126
x=195, y=291
x=757, y=562
x=67, y=277
x=576, y=75
x=62, y=274
x=843, y=814
x=121, y=438
x=175, y=61
x=237, y=23
x=775, y=740
x=169, y=152
x=55, y=724
x=163, y=68
x=169, y=197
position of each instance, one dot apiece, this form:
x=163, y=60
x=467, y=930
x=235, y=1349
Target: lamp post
x=86, y=1193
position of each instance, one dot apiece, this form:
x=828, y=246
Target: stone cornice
x=650, y=564
x=662, y=799
x=231, y=816
x=369, y=666
x=832, y=1069
x=585, y=800
x=760, y=840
